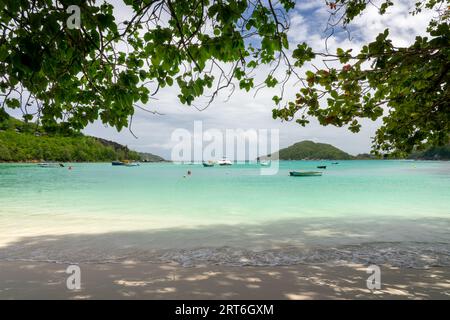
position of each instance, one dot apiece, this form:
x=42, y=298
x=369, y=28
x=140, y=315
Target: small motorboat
x=305, y=173
x=265, y=164
x=132, y=164
x=224, y=162
x=125, y=163
x=208, y=164
x=335, y=163
x=321, y=167
x=50, y=165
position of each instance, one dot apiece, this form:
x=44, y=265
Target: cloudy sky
x=246, y=111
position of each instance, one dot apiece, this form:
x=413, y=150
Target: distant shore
x=58, y=161
x=40, y=280
x=200, y=162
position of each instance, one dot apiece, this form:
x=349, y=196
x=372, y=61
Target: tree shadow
x=38, y=280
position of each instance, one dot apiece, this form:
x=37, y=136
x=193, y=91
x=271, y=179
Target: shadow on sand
x=116, y=265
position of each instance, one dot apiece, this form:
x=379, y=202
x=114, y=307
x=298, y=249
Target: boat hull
x=305, y=174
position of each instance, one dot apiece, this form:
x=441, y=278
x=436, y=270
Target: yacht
x=224, y=162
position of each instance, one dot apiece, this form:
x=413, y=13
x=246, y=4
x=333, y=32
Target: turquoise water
x=395, y=212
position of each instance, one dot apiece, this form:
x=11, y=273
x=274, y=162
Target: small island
x=309, y=150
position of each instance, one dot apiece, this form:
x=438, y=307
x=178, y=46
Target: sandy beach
x=226, y=233
x=39, y=280
x=225, y=150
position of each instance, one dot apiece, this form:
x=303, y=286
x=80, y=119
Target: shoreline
x=255, y=161
x=129, y=280
x=56, y=161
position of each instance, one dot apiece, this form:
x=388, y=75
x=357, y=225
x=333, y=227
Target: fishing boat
x=321, y=167
x=208, y=164
x=224, y=162
x=118, y=163
x=305, y=173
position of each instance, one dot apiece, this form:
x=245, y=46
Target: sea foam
x=403, y=255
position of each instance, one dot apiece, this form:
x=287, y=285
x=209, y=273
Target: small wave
x=404, y=255
x=412, y=256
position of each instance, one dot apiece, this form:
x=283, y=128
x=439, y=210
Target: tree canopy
x=69, y=77
x=407, y=87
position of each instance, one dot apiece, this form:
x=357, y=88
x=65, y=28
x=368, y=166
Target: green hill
x=310, y=150
x=150, y=157
x=433, y=153
x=21, y=141
x=367, y=156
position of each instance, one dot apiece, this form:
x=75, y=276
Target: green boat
x=125, y=163
x=210, y=164
x=305, y=173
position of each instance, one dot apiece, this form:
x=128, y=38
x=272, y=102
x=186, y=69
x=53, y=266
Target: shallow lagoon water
x=395, y=212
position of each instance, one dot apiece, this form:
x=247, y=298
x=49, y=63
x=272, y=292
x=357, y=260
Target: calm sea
x=394, y=212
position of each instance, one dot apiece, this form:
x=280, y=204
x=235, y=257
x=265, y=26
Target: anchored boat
x=125, y=163
x=50, y=165
x=208, y=164
x=224, y=162
x=305, y=173
x=132, y=164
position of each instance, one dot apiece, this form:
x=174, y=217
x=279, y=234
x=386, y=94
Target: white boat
x=265, y=164
x=132, y=164
x=224, y=162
